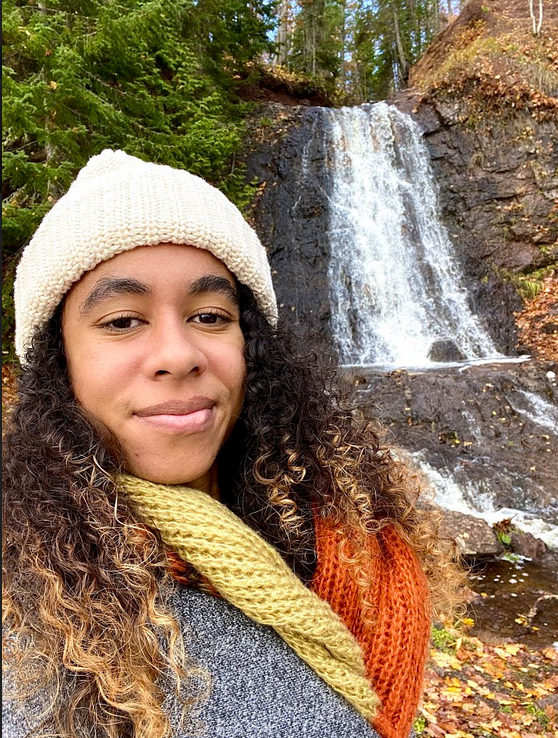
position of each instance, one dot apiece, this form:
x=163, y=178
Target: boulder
x=474, y=536
x=445, y=349
x=525, y=544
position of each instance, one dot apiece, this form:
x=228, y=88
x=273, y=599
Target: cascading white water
x=395, y=285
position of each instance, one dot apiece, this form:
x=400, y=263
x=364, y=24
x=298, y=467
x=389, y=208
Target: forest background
x=166, y=81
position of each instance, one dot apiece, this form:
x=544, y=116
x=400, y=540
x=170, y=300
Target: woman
x=199, y=538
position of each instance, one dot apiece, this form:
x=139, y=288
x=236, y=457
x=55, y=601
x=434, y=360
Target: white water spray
x=538, y=410
x=395, y=285
x=477, y=500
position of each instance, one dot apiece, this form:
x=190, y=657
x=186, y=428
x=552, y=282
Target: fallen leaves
x=9, y=392
x=538, y=324
x=481, y=690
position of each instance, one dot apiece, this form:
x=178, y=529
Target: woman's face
x=156, y=354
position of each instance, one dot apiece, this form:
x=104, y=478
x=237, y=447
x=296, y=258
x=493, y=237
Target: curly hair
x=85, y=583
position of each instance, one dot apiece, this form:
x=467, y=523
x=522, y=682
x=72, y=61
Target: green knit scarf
x=250, y=574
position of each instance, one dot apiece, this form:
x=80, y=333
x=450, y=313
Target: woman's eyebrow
x=109, y=286
x=213, y=283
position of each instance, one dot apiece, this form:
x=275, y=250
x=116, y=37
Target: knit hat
x=119, y=202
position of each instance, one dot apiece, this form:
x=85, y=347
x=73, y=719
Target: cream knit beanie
x=119, y=202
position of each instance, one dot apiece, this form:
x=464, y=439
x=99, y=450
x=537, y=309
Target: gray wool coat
x=260, y=688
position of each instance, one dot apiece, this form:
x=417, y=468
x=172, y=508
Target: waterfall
x=396, y=287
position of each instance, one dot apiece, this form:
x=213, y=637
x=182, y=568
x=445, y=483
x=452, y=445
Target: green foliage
x=231, y=33
x=528, y=285
x=443, y=639
x=503, y=530
x=504, y=538
x=153, y=78
x=539, y=714
x=8, y=352
x=317, y=40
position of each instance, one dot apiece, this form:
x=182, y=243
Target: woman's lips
x=190, y=416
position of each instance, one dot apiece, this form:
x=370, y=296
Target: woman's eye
x=207, y=318
x=122, y=323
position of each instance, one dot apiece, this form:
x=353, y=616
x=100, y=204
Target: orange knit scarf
x=395, y=642
x=394, y=637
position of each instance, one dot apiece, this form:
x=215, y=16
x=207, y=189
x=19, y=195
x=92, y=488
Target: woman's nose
x=174, y=350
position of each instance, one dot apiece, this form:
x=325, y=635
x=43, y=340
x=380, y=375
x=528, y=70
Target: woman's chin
x=198, y=478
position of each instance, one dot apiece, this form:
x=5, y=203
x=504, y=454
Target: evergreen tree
x=388, y=37
x=317, y=43
x=365, y=46
x=148, y=76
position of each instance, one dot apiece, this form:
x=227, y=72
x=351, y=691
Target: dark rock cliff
x=497, y=191
x=291, y=210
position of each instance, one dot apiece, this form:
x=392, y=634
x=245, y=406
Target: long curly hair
x=85, y=583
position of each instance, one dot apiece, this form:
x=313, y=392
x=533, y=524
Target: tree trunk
x=283, y=34
x=342, y=75
x=403, y=65
x=537, y=24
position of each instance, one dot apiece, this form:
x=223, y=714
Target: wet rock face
x=475, y=424
x=512, y=597
x=498, y=185
x=291, y=213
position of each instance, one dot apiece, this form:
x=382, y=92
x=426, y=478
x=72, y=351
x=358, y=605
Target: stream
x=507, y=590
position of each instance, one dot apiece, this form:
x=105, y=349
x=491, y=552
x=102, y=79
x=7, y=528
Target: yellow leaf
x=428, y=715
x=445, y=660
x=538, y=691
x=53, y=84
x=512, y=648
x=501, y=653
